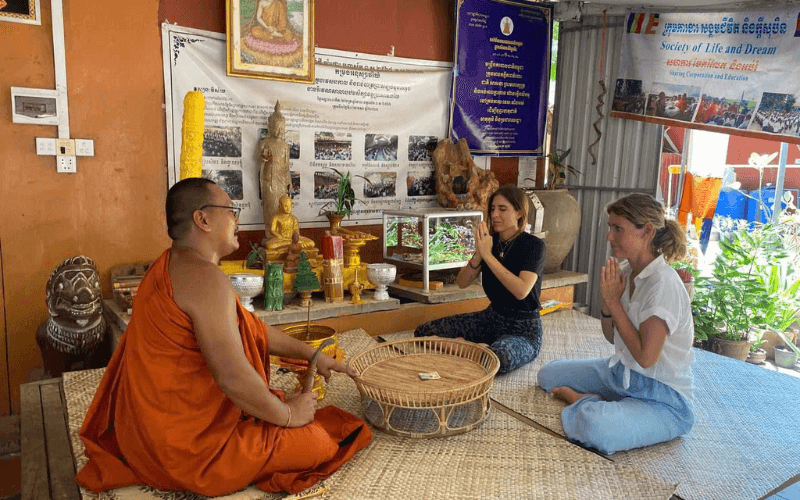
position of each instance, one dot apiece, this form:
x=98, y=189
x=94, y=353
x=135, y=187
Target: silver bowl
x=381, y=275
x=247, y=286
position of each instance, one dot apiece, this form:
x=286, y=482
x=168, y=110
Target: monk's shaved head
x=183, y=199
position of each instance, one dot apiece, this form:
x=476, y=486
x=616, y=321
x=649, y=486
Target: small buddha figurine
x=283, y=226
x=355, y=290
x=293, y=254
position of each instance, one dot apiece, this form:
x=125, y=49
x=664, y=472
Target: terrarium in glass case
x=430, y=238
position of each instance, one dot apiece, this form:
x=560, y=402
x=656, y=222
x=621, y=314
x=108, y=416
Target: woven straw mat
x=566, y=334
x=503, y=458
x=79, y=389
x=741, y=445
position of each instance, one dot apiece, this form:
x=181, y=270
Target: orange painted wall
x=112, y=209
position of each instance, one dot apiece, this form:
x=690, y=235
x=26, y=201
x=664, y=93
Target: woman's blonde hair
x=517, y=198
x=669, y=238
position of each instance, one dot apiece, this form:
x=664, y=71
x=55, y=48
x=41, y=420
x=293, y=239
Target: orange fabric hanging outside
x=700, y=195
x=159, y=418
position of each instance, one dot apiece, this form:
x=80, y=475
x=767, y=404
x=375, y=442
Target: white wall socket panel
x=66, y=164
x=84, y=147
x=45, y=146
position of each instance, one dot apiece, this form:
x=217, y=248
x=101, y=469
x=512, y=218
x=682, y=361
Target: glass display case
x=430, y=238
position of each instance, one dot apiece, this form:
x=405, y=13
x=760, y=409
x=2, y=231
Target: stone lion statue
x=76, y=327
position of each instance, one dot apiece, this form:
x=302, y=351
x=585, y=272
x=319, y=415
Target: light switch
x=45, y=146
x=84, y=147
x=65, y=147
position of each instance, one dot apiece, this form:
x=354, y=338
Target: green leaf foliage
x=753, y=283
x=345, y=196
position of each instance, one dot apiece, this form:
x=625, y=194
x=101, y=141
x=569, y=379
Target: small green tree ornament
x=305, y=281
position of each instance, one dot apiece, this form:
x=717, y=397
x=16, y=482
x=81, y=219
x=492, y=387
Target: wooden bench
x=48, y=469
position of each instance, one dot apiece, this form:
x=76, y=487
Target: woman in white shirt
x=641, y=395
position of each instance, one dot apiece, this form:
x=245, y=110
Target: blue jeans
x=647, y=412
x=515, y=341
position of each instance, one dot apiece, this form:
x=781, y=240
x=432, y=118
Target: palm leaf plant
x=345, y=196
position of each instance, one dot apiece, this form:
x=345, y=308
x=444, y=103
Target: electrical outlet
x=66, y=164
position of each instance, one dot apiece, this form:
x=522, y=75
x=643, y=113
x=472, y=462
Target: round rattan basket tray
x=399, y=398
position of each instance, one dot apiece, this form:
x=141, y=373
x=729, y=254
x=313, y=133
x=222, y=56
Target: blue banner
x=502, y=64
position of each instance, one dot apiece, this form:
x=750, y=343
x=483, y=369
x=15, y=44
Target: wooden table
x=48, y=469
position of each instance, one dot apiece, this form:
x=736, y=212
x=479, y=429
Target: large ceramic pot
x=785, y=357
x=561, y=222
x=771, y=339
x=736, y=349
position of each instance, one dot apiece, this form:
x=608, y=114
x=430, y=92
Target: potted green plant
x=757, y=354
x=687, y=274
x=781, y=280
x=786, y=355
x=345, y=199
x=744, y=290
x=558, y=169
x=780, y=308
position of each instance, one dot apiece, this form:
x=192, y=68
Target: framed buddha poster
x=20, y=11
x=272, y=39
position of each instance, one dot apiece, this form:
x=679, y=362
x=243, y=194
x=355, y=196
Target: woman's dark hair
x=518, y=200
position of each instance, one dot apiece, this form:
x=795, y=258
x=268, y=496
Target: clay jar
x=561, y=223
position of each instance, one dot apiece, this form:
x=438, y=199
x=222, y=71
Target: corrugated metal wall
x=628, y=152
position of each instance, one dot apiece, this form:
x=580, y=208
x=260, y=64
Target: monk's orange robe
x=158, y=417
x=700, y=195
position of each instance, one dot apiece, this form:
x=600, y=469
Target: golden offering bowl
x=313, y=335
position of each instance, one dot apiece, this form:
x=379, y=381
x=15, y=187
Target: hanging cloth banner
x=378, y=118
x=502, y=69
x=734, y=72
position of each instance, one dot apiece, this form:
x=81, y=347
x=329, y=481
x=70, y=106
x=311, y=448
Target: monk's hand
x=326, y=365
x=303, y=406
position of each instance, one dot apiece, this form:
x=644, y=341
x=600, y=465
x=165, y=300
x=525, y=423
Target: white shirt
x=660, y=292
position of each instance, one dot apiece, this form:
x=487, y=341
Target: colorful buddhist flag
x=635, y=22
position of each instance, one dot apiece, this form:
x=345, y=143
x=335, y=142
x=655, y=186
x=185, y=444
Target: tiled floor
x=790, y=493
x=794, y=372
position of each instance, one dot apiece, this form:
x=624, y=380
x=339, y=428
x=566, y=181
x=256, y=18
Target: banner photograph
x=502, y=68
x=377, y=118
x=727, y=72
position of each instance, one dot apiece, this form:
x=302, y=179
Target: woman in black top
x=512, y=262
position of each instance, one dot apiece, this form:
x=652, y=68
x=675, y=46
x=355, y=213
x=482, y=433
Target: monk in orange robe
x=185, y=402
